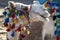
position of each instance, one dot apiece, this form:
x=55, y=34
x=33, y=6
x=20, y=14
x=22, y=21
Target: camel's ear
x=11, y=4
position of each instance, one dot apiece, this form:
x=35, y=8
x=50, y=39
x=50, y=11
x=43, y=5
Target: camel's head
x=11, y=4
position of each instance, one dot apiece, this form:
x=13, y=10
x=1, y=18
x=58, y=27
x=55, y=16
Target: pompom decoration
x=13, y=15
x=57, y=37
x=58, y=32
x=22, y=35
x=21, y=13
x=9, y=14
x=57, y=4
x=12, y=26
x=6, y=20
x=4, y=12
x=8, y=30
x=5, y=24
x=13, y=34
x=15, y=21
x=53, y=10
x=53, y=4
x=57, y=10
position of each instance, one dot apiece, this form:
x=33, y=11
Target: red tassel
x=8, y=30
x=19, y=29
x=22, y=35
x=5, y=24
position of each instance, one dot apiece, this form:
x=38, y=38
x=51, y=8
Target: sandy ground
x=35, y=26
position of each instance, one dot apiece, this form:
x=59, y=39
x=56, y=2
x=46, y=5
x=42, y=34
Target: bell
x=24, y=28
x=28, y=32
x=6, y=20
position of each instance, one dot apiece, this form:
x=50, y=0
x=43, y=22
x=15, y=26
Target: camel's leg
x=43, y=35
